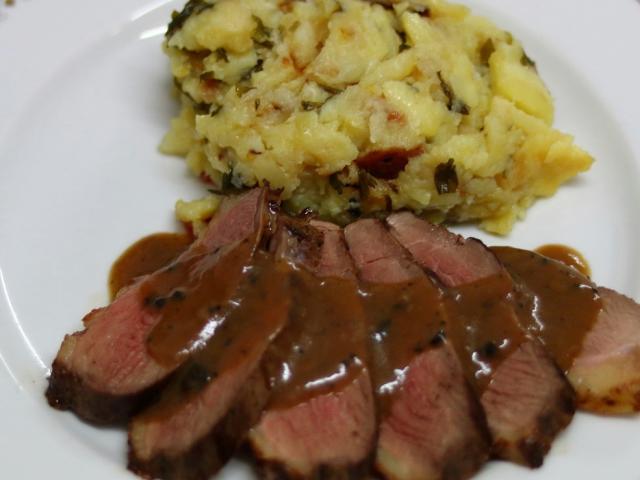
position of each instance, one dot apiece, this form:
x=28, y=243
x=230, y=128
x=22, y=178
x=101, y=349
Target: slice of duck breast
x=106, y=371
x=207, y=408
x=606, y=372
x=593, y=333
x=431, y=425
x=527, y=400
x=321, y=418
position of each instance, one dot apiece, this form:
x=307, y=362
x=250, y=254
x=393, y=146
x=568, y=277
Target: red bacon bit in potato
x=387, y=164
x=209, y=85
x=196, y=59
x=395, y=117
x=204, y=176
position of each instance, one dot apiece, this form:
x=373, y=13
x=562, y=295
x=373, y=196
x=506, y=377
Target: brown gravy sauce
x=482, y=326
x=403, y=319
x=145, y=256
x=559, y=305
x=193, y=294
x=324, y=345
x=223, y=308
x=241, y=335
x=567, y=255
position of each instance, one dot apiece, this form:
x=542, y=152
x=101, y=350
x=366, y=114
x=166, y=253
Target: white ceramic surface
x=84, y=101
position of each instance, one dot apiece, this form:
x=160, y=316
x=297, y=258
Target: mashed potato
x=351, y=107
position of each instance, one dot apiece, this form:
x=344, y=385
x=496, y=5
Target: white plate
x=83, y=104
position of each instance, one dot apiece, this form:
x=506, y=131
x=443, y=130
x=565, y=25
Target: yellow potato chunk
x=359, y=38
x=229, y=24
x=520, y=83
x=197, y=210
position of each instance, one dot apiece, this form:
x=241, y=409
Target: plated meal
x=315, y=314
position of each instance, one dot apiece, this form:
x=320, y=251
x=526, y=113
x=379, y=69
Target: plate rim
x=113, y=15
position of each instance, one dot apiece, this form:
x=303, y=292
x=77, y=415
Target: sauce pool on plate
x=145, y=256
x=567, y=255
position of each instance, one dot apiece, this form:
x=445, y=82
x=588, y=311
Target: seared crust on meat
x=210, y=453
x=464, y=462
x=276, y=471
x=519, y=436
x=67, y=391
x=531, y=451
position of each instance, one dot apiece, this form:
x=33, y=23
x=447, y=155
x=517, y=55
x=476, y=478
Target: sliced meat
x=592, y=332
x=105, y=372
x=606, y=373
x=321, y=418
x=286, y=445
x=454, y=260
x=431, y=425
x=378, y=257
x=527, y=400
x=207, y=408
x=527, y=404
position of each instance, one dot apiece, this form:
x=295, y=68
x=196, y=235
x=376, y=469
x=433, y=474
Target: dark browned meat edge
x=211, y=452
x=66, y=391
x=549, y=424
x=276, y=471
x=466, y=463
